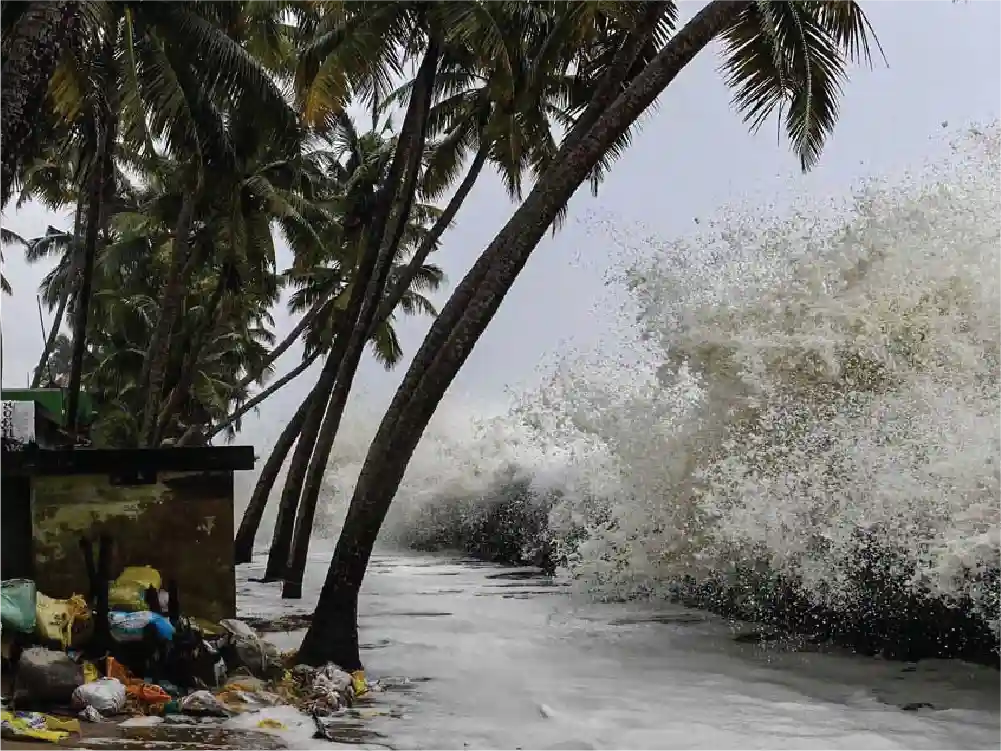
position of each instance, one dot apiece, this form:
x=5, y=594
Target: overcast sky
x=692, y=156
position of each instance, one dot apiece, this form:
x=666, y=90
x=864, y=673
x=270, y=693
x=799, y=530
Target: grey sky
x=692, y=156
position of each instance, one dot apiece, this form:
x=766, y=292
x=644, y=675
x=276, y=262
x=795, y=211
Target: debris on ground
x=139, y=664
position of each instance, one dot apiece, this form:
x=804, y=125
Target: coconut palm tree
x=372, y=165
x=791, y=55
x=506, y=119
x=7, y=237
x=504, y=113
x=35, y=37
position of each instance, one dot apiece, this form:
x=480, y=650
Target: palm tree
x=147, y=84
x=504, y=113
x=7, y=237
x=788, y=54
x=376, y=211
x=35, y=37
x=510, y=129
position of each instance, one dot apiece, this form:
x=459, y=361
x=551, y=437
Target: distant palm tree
x=7, y=237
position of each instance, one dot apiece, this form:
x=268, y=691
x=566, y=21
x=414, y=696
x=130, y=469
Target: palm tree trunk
x=189, y=365
x=36, y=43
x=333, y=631
x=243, y=545
x=100, y=181
x=158, y=354
x=264, y=395
x=255, y=509
x=366, y=296
x=281, y=537
x=57, y=321
x=269, y=474
x=402, y=284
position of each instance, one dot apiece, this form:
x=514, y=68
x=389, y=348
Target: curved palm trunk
x=402, y=284
x=37, y=41
x=281, y=537
x=243, y=544
x=258, y=398
x=333, y=632
x=377, y=307
x=382, y=237
x=158, y=354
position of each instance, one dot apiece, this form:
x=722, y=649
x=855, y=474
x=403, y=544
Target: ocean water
x=471, y=655
x=786, y=387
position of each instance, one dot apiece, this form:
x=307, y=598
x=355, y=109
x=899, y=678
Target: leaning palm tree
x=366, y=163
x=788, y=55
x=506, y=119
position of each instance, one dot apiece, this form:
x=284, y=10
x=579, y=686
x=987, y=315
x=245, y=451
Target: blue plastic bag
x=126, y=627
x=17, y=605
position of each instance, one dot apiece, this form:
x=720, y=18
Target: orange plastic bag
x=115, y=669
x=137, y=689
x=148, y=693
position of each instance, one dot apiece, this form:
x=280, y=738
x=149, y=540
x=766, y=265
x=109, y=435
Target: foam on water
x=790, y=386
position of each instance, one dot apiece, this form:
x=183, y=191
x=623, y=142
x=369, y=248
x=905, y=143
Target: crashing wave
x=812, y=398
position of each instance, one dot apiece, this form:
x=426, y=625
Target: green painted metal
x=52, y=401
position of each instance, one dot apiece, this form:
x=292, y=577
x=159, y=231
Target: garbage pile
x=126, y=652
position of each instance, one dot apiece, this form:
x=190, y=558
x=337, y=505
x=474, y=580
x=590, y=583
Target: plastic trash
x=17, y=605
x=90, y=672
x=331, y=676
x=89, y=714
x=244, y=648
x=128, y=592
x=203, y=703
x=66, y=622
x=358, y=683
x=147, y=693
x=36, y=726
x=46, y=676
x=106, y=695
x=128, y=627
x=269, y=724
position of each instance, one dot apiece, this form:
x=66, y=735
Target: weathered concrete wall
x=181, y=525
x=15, y=533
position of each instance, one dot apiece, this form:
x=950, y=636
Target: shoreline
x=885, y=617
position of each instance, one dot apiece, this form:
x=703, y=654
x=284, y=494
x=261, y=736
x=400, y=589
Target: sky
x=692, y=156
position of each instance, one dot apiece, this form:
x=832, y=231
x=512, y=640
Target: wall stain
x=181, y=525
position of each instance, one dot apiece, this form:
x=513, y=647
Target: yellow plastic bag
x=358, y=683
x=269, y=723
x=65, y=621
x=128, y=591
x=36, y=726
x=90, y=672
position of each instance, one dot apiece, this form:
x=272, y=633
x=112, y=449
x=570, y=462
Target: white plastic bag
x=106, y=695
